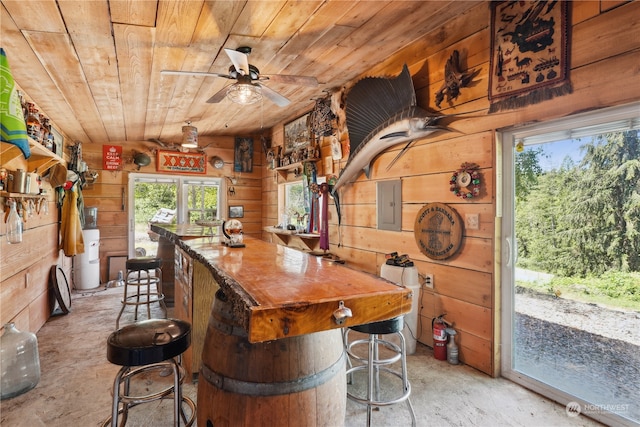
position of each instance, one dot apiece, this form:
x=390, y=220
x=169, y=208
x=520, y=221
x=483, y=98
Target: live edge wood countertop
x=279, y=292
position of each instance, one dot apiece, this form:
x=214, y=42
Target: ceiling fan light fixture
x=244, y=93
x=189, y=136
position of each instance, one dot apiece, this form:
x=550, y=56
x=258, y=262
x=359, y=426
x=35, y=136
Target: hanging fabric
x=324, y=226
x=71, y=240
x=13, y=128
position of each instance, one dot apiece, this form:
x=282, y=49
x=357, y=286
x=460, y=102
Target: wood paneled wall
x=604, y=51
x=26, y=297
x=107, y=192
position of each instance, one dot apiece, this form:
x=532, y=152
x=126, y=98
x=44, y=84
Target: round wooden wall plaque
x=438, y=231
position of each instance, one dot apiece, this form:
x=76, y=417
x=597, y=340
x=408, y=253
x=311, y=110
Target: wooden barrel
x=291, y=381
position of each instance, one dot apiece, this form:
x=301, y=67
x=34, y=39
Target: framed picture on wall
x=236, y=211
x=297, y=134
x=243, y=155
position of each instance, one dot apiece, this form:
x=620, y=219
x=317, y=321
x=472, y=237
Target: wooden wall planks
x=464, y=285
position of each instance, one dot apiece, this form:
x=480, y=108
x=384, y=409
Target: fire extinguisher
x=439, y=327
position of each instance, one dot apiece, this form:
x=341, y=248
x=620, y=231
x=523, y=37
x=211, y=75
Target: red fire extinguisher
x=439, y=338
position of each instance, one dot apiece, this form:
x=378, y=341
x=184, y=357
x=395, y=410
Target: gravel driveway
x=586, y=350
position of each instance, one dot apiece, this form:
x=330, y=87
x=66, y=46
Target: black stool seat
x=383, y=327
x=148, y=341
x=143, y=263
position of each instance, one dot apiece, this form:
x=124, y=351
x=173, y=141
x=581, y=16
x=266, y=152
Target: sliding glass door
x=168, y=199
x=571, y=263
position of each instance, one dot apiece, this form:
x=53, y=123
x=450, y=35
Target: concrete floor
x=76, y=380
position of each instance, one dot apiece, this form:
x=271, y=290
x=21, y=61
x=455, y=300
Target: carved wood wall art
x=454, y=79
x=438, y=231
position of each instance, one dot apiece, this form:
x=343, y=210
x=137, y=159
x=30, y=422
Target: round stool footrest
x=187, y=422
x=136, y=400
x=143, y=281
x=388, y=344
x=143, y=300
x=402, y=398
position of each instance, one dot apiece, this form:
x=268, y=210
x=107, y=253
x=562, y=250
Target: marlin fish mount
x=381, y=113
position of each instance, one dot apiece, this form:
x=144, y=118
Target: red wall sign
x=111, y=157
x=174, y=161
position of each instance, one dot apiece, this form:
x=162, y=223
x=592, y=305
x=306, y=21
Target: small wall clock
x=216, y=162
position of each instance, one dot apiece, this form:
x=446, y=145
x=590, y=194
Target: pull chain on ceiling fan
x=248, y=88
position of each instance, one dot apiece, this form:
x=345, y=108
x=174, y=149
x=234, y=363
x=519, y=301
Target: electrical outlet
x=428, y=281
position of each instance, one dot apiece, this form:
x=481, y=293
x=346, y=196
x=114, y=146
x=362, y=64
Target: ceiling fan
x=248, y=87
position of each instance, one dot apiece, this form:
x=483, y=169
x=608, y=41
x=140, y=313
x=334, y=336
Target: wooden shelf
x=41, y=159
x=309, y=240
x=8, y=195
x=284, y=170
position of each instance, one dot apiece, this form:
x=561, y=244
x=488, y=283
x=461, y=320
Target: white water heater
x=86, y=266
x=407, y=277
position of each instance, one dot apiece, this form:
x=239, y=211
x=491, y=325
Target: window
x=570, y=193
x=296, y=205
x=168, y=199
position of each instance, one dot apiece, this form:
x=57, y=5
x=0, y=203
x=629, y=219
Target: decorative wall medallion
x=465, y=182
x=438, y=231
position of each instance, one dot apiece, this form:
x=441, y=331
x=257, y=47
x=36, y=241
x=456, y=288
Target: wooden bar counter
x=273, y=352
x=279, y=292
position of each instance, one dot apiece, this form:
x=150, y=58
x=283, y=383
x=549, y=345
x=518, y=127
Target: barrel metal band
x=276, y=388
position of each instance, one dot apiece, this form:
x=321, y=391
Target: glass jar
x=14, y=224
x=19, y=362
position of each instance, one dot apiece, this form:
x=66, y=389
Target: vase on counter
x=19, y=362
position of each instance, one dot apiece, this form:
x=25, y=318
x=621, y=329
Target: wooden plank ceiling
x=93, y=66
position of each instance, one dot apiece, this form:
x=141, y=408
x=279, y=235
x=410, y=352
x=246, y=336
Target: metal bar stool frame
x=136, y=364
x=374, y=365
x=139, y=274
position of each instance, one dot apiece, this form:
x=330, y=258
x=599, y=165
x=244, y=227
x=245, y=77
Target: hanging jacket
x=71, y=240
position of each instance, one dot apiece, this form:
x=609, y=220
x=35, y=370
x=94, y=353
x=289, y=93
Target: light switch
x=472, y=221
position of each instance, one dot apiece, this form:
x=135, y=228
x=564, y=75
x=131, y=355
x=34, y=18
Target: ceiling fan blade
x=239, y=60
x=218, y=96
x=274, y=96
x=194, y=73
x=291, y=79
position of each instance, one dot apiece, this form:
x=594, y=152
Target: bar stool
x=373, y=364
x=142, y=272
x=149, y=345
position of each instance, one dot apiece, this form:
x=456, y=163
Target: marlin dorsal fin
x=367, y=170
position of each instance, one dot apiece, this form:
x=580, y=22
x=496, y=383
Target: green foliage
x=613, y=288
x=527, y=170
x=150, y=197
x=582, y=219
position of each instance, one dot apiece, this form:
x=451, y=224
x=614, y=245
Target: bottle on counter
x=19, y=361
x=14, y=224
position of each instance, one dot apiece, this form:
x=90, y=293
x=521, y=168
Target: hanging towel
x=13, y=128
x=324, y=226
x=71, y=240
